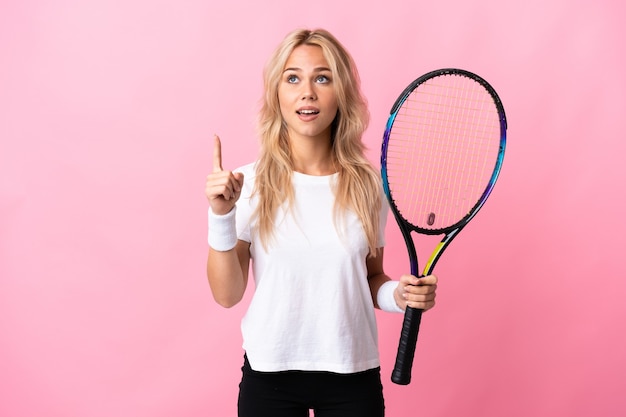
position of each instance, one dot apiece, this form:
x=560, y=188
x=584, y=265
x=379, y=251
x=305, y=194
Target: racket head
x=442, y=150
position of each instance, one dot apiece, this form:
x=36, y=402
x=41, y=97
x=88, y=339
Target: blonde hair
x=358, y=183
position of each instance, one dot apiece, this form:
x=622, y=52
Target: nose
x=308, y=91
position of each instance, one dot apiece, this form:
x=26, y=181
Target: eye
x=292, y=78
x=322, y=79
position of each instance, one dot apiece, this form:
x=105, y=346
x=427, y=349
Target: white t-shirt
x=312, y=308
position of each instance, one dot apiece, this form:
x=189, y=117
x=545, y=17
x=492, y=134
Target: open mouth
x=307, y=112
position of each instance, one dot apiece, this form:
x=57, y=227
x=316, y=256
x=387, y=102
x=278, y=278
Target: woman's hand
x=223, y=188
x=416, y=292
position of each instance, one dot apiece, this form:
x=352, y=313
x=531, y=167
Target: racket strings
x=442, y=149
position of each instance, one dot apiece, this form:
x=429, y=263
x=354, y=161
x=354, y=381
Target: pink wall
x=106, y=113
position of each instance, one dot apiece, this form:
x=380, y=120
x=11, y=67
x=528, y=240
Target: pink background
x=107, y=108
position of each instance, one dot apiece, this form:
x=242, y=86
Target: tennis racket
x=441, y=155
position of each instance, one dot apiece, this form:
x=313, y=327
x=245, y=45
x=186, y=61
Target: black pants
x=293, y=393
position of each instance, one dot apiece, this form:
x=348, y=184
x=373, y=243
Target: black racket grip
x=401, y=374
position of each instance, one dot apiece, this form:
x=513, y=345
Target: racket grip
x=401, y=374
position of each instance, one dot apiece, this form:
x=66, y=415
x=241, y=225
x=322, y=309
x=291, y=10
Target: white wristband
x=385, y=299
x=222, y=230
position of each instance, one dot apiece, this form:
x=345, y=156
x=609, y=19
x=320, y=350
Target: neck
x=313, y=157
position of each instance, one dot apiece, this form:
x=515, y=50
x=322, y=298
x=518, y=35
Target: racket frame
x=406, y=350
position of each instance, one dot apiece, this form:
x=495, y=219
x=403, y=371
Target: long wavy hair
x=358, y=183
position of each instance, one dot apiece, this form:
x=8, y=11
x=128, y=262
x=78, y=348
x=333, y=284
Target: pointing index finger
x=217, y=154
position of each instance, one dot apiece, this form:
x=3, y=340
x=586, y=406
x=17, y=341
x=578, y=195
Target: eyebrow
x=318, y=69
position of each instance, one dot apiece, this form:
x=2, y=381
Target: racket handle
x=401, y=374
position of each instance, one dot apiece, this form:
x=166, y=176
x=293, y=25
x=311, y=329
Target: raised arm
x=229, y=258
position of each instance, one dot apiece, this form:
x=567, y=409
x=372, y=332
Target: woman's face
x=306, y=94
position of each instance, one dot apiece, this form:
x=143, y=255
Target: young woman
x=310, y=215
